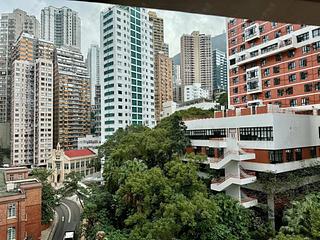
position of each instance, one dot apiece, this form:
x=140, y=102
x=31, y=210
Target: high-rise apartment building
x=61, y=26
x=127, y=83
x=93, y=65
x=11, y=25
x=163, y=82
x=71, y=98
x=196, y=60
x=219, y=71
x=31, y=101
x=162, y=65
x=274, y=63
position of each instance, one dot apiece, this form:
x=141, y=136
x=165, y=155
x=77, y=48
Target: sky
x=175, y=23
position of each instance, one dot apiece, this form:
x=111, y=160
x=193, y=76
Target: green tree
x=49, y=197
x=303, y=218
x=72, y=186
x=223, y=99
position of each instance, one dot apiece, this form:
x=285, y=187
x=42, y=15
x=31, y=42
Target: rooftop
x=79, y=153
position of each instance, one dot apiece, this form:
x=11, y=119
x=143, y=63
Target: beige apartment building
x=71, y=98
x=158, y=34
x=196, y=60
x=31, y=101
x=163, y=83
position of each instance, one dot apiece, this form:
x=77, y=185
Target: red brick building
x=20, y=205
x=273, y=63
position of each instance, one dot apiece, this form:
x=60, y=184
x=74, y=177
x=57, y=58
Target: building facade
x=163, y=82
x=252, y=144
x=93, y=65
x=195, y=91
x=11, y=26
x=219, y=71
x=31, y=101
x=158, y=34
x=20, y=205
x=127, y=83
x=71, y=108
x=273, y=63
x=63, y=162
x=61, y=26
x=196, y=60
x=89, y=141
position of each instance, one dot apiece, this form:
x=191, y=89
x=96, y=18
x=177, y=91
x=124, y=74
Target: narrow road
x=68, y=218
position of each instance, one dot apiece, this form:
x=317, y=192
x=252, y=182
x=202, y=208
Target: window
x=265, y=38
x=292, y=77
x=11, y=233
x=289, y=155
x=313, y=152
x=280, y=92
x=316, y=32
x=278, y=57
x=302, y=37
x=291, y=65
x=298, y=153
x=11, y=210
x=261, y=29
x=276, y=69
x=267, y=94
x=275, y=156
x=274, y=24
x=306, y=49
x=304, y=101
x=267, y=83
x=293, y=102
x=289, y=28
x=256, y=134
x=235, y=90
x=308, y=87
x=291, y=53
x=303, y=62
x=289, y=90
x=303, y=75
x=267, y=72
x=276, y=81
x=235, y=80
x=317, y=86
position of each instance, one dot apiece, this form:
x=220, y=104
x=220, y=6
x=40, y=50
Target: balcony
x=252, y=32
x=254, y=81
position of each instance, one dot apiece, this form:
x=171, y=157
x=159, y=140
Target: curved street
x=68, y=218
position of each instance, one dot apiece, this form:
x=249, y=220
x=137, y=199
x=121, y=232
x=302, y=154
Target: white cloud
x=175, y=23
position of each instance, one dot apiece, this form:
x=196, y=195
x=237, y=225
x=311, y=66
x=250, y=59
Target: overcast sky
x=175, y=23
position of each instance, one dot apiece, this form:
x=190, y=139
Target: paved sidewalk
x=48, y=233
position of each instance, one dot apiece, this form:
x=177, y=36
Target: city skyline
x=175, y=23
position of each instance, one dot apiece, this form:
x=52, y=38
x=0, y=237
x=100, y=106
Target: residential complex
x=255, y=145
x=163, y=82
x=63, y=162
x=89, y=141
x=93, y=64
x=127, y=84
x=194, y=91
x=11, y=25
x=274, y=63
x=158, y=34
x=31, y=100
x=71, y=108
x=61, y=26
x=20, y=204
x=196, y=60
x=219, y=71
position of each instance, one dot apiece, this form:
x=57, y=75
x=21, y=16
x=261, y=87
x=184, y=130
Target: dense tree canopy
x=149, y=193
x=49, y=196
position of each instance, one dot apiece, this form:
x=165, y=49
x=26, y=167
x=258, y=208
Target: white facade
x=89, y=141
x=93, y=65
x=275, y=141
x=11, y=25
x=176, y=75
x=172, y=107
x=195, y=91
x=127, y=81
x=219, y=70
x=61, y=25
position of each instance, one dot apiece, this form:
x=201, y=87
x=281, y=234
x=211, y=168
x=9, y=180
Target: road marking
x=69, y=211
